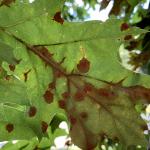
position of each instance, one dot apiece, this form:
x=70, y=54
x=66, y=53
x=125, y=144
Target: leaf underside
x=49, y=66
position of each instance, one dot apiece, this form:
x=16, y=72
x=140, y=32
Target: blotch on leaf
x=62, y=104
x=9, y=127
x=32, y=111
x=83, y=66
x=84, y=115
x=48, y=97
x=57, y=17
x=124, y=26
x=128, y=37
x=12, y=67
x=65, y=95
x=44, y=126
x=72, y=119
x=79, y=96
x=87, y=87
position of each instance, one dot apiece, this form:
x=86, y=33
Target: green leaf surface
x=69, y=68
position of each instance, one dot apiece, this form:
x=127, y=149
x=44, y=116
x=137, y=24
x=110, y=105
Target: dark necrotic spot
x=44, y=126
x=128, y=37
x=26, y=75
x=9, y=127
x=62, y=104
x=79, y=96
x=124, y=26
x=57, y=17
x=32, y=111
x=12, y=67
x=65, y=95
x=48, y=97
x=84, y=115
x=72, y=119
x=84, y=65
x=51, y=85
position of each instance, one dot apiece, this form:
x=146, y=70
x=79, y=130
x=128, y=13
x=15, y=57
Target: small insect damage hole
x=84, y=65
x=9, y=127
x=48, y=96
x=44, y=126
x=32, y=111
x=57, y=17
x=124, y=26
x=12, y=67
x=26, y=75
x=79, y=96
x=62, y=104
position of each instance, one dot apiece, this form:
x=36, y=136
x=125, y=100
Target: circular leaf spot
x=9, y=127
x=83, y=66
x=79, y=96
x=84, y=115
x=62, y=104
x=32, y=111
x=124, y=26
x=48, y=96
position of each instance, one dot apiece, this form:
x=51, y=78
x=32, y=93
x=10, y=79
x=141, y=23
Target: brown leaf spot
x=44, y=126
x=72, y=119
x=32, y=111
x=83, y=66
x=52, y=85
x=124, y=26
x=48, y=96
x=12, y=67
x=62, y=104
x=84, y=115
x=44, y=51
x=79, y=96
x=57, y=17
x=9, y=127
x=26, y=75
x=128, y=37
x=106, y=93
x=7, y=2
x=87, y=87
x=65, y=95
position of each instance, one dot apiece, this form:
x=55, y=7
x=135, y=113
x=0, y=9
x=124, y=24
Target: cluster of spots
x=84, y=65
x=107, y=93
x=26, y=75
x=48, y=96
x=138, y=92
x=7, y=2
x=32, y=111
x=79, y=96
x=57, y=17
x=12, y=67
x=62, y=103
x=124, y=26
x=44, y=126
x=9, y=127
